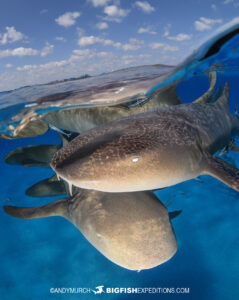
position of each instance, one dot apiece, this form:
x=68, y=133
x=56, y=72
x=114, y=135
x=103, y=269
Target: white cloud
x=60, y=38
x=144, y=6
x=11, y=36
x=146, y=30
x=23, y=52
x=102, y=25
x=210, y=21
x=89, y=40
x=115, y=13
x=43, y=66
x=20, y=52
x=97, y=3
x=165, y=47
x=214, y=7
x=180, y=37
x=130, y=47
x=68, y=18
x=233, y=2
x=204, y=24
x=79, y=55
x=133, y=44
x=133, y=59
x=47, y=49
x=89, y=59
x=82, y=61
x=87, y=53
x=167, y=30
x=44, y=11
x=200, y=26
x=8, y=66
x=80, y=31
x=82, y=52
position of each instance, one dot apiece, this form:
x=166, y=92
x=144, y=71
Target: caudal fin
x=223, y=171
x=57, y=208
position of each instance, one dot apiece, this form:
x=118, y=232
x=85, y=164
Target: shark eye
x=135, y=159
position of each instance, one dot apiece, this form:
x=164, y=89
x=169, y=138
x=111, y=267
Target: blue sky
x=41, y=41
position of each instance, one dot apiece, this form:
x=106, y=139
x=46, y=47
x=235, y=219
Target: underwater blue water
x=37, y=255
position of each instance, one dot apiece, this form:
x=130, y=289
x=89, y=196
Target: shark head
x=90, y=163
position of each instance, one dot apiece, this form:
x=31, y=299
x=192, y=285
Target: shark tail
x=57, y=208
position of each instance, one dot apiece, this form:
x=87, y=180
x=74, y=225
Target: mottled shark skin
x=81, y=119
x=152, y=150
x=133, y=230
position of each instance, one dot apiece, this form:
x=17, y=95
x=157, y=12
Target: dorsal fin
x=57, y=208
x=212, y=83
x=224, y=99
x=166, y=96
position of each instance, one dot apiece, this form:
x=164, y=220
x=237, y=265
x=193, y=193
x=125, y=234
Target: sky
x=42, y=41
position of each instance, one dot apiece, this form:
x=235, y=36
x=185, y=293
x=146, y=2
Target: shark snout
x=67, y=166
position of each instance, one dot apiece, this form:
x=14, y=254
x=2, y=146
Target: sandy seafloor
x=37, y=255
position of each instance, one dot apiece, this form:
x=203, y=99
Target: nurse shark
x=153, y=150
x=81, y=119
x=133, y=230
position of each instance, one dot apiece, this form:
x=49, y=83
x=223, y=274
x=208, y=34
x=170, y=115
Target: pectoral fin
x=32, y=156
x=223, y=171
x=47, y=188
x=57, y=208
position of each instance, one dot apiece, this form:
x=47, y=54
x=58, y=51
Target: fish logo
x=99, y=290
